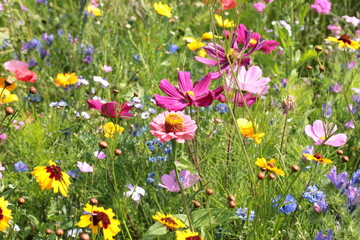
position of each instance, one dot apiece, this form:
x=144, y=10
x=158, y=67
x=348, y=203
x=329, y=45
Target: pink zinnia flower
x=186, y=178
x=84, y=167
x=249, y=81
x=321, y=132
x=322, y=6
x=186, y=94
x=14, y=65
x=111, y=109
x=173, y=125
x=259, y=6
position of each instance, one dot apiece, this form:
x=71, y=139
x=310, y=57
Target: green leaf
x=155, y=231
x=308, y=55
x=33, y=219
x=212, y=216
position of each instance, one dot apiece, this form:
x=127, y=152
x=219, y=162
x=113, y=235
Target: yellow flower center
x=253, y=41
x=323, y=138
x=233, y=55
x=173, y=123
x=191, y=93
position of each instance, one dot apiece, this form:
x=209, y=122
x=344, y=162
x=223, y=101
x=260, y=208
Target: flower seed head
x=115, y=91
x=48, y=231
x=345, y=159
x=288, y=104
x=261, y=175
x=309, y=67
x=103, y=145
x=32, y=90
x=21, y=201
x=322, y=68
x=93, y=201
x=318, y=49
x=340, y=152
x=295, y=168
x=196, y=204
x=231, y=198
x=272, y=176
x=8, y=82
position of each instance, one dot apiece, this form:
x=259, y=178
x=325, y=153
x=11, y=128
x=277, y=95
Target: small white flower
x=145, y=115
x=135, y=193
x=103, y=82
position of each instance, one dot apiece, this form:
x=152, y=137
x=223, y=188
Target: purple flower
x=321, y=206
x=313, y=194
x=336, y=88
x=338, y=180
x=244, y=212
x=321, y=236
x=135, y=193
x=259, y=6
x=322, y=6
x=308, y=150
x=321, y=132
x=20, y=167
x=84, y=167
x=327, y=109
x=48, y=38
x=169, y=181
x=353, y=195
x=73, y=174
x=99, y=155
x=23, y=8
x=287, y=206
x=355, y=178
x=349, y=124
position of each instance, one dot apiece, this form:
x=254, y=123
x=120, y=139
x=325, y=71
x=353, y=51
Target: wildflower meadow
x=183, y=120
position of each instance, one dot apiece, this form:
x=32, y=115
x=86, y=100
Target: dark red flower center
x=1, y=215
x=194, y=238
x=318, y=156
x=55, y=172
x=100, y=217
x=169, y=220
x=345, y=38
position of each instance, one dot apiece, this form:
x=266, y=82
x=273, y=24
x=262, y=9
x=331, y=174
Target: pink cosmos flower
x=249, y=81
x=349, y=124
x=25, y=75
x=186, y=178
x=107, y=68
x=226, y=5
x=99, y=155
x=84, y=167
x=353, y=20
x=173, y=125
x=135, y=193
x=186, y=94
x=259, y=6
x=1, y=170
x=14, y=65
x=111, y=109
x=322, y=6
x=321, y=132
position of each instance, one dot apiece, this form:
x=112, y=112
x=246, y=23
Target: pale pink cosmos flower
x=173, y=125
x=187, y=179
x=249, y=81
x=353, y=20
x=99, y=155
x=321, y=132
x=3, y=137
x=107, y=68
x=14, y=65
x=259, y=6
x=1, y=170
x=84, y=167
x=135, y=193
x=322, y=6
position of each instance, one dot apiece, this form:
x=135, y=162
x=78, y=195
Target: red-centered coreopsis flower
x=111, y=109
x=186, y=94
x=173, y=125
x=321, y=132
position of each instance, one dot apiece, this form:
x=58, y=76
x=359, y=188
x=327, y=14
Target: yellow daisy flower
x=66, y=79
x=169, y=221
x=269, y=166
x=110, y=129
x=94, y=10
x=224, y=23
x=163, y=9
x=6, y=96
x=98, y=217
x=344, y=41
x=246, y=129
x=5, y=215
x=52, y=177
x=195, y=45
x=187, y=235
x=2, y=84
x=317, y=157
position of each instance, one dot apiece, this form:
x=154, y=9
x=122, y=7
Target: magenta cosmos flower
x=169, y=181
x=111, y=109
x=321, y=132
x=186, y=94
x=173, y=125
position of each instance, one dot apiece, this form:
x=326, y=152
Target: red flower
x=25, y=75
x=226, y=5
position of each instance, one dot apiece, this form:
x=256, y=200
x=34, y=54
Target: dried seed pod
x=345, y=159
x=231, y=198
x=59, y=232
x=272, y=176
x=340, y=152
x=93, y=201
x=232, y=204
x=21, y=201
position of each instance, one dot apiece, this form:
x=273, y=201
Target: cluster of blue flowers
x=287, y=206
x=160, y=150
x=313, y=194
x=243, y=213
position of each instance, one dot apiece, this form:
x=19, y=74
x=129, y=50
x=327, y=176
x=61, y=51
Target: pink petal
x=170, y=103
x=185, y=83
x=336, y=140
x=206, y=61
x=94, y=104
x=203, y=86
x=14, y=65
x=169, y=89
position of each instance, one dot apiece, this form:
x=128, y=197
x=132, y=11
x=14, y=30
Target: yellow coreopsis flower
x=10, y=88
x=186, y=235
x=52, y=177
x=224, y=23
x=94, y=10
x=66, y=79
x=5, y=215
x=163, y=9
x=110, y=129
x=269, y=166
x=6, y=96
x=169, y=221
x=317, y=157
x=98, y=217
x=246, y=128
x=344, y=41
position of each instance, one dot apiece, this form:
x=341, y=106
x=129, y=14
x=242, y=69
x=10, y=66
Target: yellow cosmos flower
x=317, y=157
x=224, y=23
x=94, y=10
x=163, y=9
x=169, y=221
x=98, y=217
x=269, y=166
x=6, y=96
x=110, y=129
x=66, y=79
x=2, y=84
x=5, y=215
x=344, y=41
x=246, y=128
x=187, y=235
x=52, y=177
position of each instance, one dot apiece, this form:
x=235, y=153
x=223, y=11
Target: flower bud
x=288, y=104
x=32, y=90
x=93, y=201
x=84, y=236
x=217, y=120
x=115, y=91
x=9, y=110
x=322, y=68
x=295, y=168
x=209, y=191
x=272, y=176
x=340, y=152
x=231, y=198
x=232, y=204
x=8, y=82
x=117, y=152
x=345, y=159
x=196, y=204
x=326, y=52
x=261, y=175
x=48, y=231
x=59, y=232
x=318, y=49
x=103, y=145
x=21, y=201
x=309, y=67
